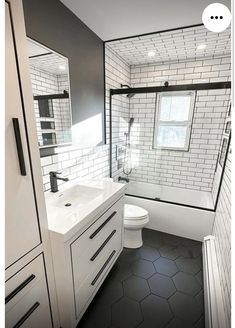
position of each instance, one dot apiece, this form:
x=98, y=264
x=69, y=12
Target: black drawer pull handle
x=19, y=288
x=103, y=267
x=102, y=225
x=102, y=246
x=19, y=146
x=26, y=315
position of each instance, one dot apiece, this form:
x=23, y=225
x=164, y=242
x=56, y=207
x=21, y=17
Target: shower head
x=130, y=95
x=131, y=121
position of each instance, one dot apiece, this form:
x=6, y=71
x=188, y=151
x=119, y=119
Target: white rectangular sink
x=75, y=196
x=77, y=203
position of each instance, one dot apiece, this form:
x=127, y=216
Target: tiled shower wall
x=193, y=169
x=222, y=232
x=117, y=73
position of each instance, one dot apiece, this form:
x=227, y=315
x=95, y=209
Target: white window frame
x=187, y=123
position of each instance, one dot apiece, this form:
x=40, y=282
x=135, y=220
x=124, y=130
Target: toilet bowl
x=135, y=218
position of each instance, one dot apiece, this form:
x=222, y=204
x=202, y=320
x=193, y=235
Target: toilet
x=135, y=219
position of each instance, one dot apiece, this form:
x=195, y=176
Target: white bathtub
x=167, y=216
x=180, y=196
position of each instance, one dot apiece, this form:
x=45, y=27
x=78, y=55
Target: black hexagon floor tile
x=178, y=323
x=165, y=266
x=110, y=292
x=129, y=255
x=126, y=313
x=98, y=315
x=169, y=252
x=149, y=253
x=156, y=311
x=171, y=239
x=199, y=277
x=136, y=288
x=185, y=307
x=152, y=238
x=125, y=299
x=120, y=271
x=200, y=323
x=200, y=299
x=161, y=285
x=187, y=265
x=143, y=268
x=186, y=283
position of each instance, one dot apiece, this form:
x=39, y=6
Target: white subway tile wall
x=87, y=163
x=117, y=73
x=222, y=232
x=194, y=169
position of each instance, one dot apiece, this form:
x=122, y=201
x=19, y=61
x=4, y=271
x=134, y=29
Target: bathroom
x=118, y=136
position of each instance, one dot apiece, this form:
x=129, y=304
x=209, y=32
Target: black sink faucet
x=123, y=179
x=53, y=180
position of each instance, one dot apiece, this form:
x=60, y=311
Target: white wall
x=222, y=232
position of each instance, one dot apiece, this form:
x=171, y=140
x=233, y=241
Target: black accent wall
x=54, y=25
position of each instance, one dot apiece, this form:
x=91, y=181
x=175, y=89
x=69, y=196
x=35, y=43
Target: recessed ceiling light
x=151, y=53
x=62, y=67
x=201, y=47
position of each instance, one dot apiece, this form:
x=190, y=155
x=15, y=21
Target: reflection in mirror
x=50, y=85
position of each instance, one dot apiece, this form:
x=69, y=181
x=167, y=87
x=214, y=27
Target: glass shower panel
x=187, y=176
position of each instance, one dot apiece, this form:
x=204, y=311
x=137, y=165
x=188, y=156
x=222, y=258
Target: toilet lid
x=134, y=212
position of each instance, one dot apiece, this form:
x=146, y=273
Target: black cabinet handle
x=102, y=246
x=19, y=145
x=103, y=267
x=19, y=288
x=26, y=315
x=102, y=225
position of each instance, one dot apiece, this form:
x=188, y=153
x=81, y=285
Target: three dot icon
x=216, y=17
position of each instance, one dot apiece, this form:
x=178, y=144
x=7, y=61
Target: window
x=173, y=120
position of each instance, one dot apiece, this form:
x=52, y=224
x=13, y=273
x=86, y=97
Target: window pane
x=175, y=108
x=171, y=136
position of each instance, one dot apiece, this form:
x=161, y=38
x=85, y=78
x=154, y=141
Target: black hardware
x=123, y=179
x=166, y=84
x=26, y=315
x=181, y=87
x=53, y=180
x=102, y=246
x=102, y=225
x=63, y=95
x=103, y=267
x=19, y=146
x=19, y=288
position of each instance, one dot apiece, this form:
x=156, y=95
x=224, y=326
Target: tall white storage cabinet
x=29, y=274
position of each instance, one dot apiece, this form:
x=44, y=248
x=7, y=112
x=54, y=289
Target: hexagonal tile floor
x=156, y=286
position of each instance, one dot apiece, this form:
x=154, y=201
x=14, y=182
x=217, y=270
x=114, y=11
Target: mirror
x=51, y=92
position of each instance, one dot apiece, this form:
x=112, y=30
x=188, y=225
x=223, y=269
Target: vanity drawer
x=84, y=291
x=93, y=243
x=27, y=303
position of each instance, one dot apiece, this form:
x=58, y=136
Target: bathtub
x=182, y=212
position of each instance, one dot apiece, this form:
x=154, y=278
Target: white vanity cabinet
x=82, y=262
x=27, y=303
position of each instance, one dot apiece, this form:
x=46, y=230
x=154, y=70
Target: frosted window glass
x=171, y=136
x=175, y=108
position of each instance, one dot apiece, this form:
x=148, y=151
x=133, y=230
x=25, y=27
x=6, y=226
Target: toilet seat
x=133, y=212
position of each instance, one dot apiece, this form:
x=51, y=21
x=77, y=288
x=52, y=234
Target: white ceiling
x=111, y=19
x=176, y=45
x=46, y=59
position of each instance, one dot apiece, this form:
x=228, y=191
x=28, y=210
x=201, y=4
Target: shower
x=127, y=169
